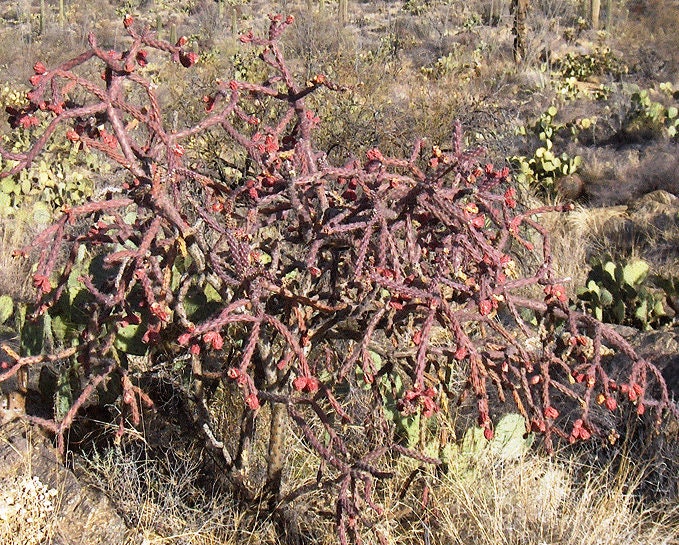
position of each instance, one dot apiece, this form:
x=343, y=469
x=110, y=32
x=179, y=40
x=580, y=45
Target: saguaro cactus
x=62, y=13
x=520, y=10
x=595, y=10
x=42, y=16
x=343, y=11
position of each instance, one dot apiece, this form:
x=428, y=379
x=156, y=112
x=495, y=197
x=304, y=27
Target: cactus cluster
x=658, y=117
x=63, y=175
x=541, y=171
x=582, y=66
x=617, y=293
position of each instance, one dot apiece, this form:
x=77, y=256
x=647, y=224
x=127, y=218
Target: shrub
x=293, y=272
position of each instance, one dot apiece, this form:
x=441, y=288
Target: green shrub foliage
x=295, y=273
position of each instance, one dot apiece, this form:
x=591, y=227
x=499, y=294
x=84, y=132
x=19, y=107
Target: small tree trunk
x=520, y=10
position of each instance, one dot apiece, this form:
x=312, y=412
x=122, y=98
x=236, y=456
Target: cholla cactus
x=296, y=272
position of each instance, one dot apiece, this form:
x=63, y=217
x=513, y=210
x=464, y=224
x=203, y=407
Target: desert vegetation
x=309, y=272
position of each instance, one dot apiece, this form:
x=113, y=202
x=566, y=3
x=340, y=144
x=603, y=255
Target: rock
x=570, y=187
x=658, y=208
x=83, y=515
x=662, y=349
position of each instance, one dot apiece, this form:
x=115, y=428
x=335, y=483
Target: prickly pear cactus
x=617, y=293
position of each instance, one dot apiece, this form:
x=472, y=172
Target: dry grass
x=538, y=500
x=14, y=233
x=577, y=235
x=483, y=499
x=620, y=176
x=165, y=502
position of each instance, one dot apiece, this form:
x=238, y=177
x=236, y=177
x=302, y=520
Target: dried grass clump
x=543, y=501
x=616, y=177
x=481, y=498
x=14, y=278
x=167, y=499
